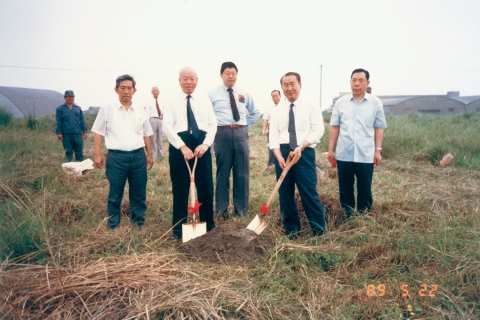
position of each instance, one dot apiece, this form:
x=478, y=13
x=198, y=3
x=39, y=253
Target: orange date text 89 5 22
x=381, y=290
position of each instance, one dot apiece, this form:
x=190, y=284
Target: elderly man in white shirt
x=296, y=127
x=127, y=132
x=154, y=110
x=190, y=126
x=266, y=117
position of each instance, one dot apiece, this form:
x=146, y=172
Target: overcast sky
x=409, y=47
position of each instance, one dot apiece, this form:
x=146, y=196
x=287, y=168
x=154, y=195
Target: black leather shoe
x=174, y=237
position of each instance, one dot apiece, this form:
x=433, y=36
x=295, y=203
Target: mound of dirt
x=226, y=243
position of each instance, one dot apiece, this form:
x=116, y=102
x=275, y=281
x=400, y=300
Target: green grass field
x=422, y=237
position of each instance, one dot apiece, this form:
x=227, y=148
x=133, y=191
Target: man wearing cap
x=127, y=132
x=190, y=126
x=355, y=144
x=236, y=113
x=154, y=111
x=296, y=127
x=71, y=127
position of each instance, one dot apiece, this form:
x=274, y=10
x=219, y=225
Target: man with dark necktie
x=155, y=114
x=296, y=127
x=236, y=113
x=190, y=126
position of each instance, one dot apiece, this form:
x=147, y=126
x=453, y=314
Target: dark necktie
x=192, y=123
x=158, y=109
x=291, y=129
x=233, y=103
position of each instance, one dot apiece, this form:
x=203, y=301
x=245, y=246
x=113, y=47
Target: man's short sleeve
x=99, y=126
x=335, y=117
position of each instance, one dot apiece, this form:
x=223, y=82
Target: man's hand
x=265, y=132
x=84, y=135
x=200, y=150
x=60, y=137
x=377, y=158
x=99, y=161
x=298, y=150
x=149, y=161
x=187, y=153
x=331, y=159
x=281, y=162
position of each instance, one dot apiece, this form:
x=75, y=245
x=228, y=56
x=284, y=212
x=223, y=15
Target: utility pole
x=321, y=67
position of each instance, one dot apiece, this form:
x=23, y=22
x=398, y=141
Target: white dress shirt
x=175, y=118
x=151, y=108
x=123, y=130
x=308, y=123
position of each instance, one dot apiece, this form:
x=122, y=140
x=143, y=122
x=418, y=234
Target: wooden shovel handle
x=192, y=181
x=290, y=162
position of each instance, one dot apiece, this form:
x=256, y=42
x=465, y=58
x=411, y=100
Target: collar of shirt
x=365, y=97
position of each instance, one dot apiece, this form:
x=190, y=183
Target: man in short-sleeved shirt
x=236, y=113
x=127, y=131
x=71, y=128
x=357, y=124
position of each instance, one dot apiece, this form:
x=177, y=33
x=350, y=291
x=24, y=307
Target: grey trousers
x=232, y=153
x=156, y=138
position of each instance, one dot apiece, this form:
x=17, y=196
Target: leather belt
x=127, y=152
x=284, y=145
x=156, y=118
x=232, y=126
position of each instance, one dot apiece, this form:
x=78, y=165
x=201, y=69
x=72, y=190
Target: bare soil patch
x=227, y=243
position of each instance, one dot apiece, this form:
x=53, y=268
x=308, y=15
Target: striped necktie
x=291, y=129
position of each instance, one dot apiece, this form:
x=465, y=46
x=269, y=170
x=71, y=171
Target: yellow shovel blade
x=258, y=224
x=191, y=231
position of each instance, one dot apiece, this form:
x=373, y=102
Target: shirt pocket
x=138, y=124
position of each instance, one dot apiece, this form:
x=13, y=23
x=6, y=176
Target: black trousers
x=181, y=183
x=303, y=175
x=347, y=172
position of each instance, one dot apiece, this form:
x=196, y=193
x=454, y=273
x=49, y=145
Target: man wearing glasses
x=356, y=135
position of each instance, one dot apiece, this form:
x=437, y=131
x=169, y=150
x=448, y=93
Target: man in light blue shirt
x=236, y=113
x=357, y=124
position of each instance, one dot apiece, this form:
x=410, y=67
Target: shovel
x=259, y=223
x=193, y=228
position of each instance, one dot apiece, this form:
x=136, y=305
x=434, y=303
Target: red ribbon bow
x=264, y=209
x=194, y=209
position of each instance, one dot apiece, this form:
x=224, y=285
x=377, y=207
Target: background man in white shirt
x=154, y=111
x=127, y=132
x=190, y=126
x=266, y=116
x=296, y=127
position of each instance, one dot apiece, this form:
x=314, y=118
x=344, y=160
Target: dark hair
x=226, y=65
x=125, y=77
x=291, y=74
x=276, y=91
x=367, y=74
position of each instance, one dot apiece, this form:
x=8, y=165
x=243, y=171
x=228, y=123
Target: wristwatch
x=378, y=148
x=301, y=146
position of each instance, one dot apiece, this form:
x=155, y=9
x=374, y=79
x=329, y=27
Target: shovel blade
x=258, y=224
x=191, y=231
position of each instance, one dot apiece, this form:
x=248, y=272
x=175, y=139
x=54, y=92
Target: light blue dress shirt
x=356, y=139
x=220, y=99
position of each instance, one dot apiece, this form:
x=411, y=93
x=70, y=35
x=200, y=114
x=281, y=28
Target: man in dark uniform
x=71, y=127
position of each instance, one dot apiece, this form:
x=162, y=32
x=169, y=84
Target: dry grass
x=424, y=228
